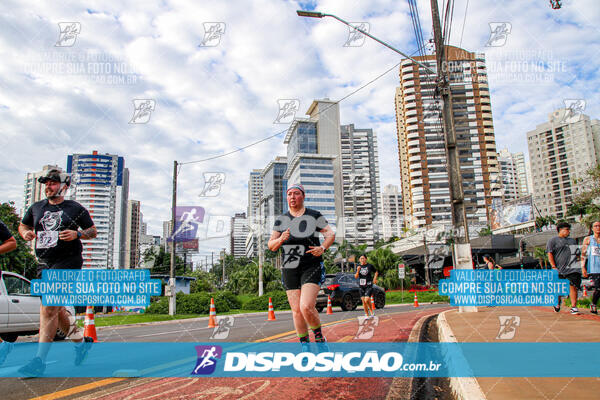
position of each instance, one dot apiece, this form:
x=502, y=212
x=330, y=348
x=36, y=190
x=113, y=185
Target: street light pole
x=172, y=303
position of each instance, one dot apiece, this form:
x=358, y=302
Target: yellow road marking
x=78, y=389
x=280, y=335
x=346, y=338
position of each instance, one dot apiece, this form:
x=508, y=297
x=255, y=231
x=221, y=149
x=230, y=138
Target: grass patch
x=409, y=297
x=126, y=319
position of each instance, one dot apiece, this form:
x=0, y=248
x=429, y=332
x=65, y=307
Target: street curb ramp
x=464, y=388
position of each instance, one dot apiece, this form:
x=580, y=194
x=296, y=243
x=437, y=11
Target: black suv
x=344, y=292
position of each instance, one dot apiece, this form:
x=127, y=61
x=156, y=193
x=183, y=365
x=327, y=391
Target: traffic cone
x=416, y=304
x=212, y=317
x=329, y=308
x=90, y=325
x=271, y=311
x=372, y=304
x=584, y=291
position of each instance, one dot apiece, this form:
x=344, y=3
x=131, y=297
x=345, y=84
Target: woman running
x=302, y=272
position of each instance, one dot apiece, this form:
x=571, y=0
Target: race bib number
x=596, y=251
x=46, y=239
x=363, y=282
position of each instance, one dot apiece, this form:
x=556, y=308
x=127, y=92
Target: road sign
x=401, y=271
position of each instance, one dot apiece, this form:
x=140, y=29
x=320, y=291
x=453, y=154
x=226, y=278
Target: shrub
x=256, y=303
x=228, y=297
x=161, y=306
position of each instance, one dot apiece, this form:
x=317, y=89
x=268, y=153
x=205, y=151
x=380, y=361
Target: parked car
x=344, y=292
x=19, y=310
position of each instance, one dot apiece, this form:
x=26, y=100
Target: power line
x=464, y=23
x=279, y=133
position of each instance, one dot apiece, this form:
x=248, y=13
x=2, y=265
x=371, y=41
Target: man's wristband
x=79, y=234
x=321, y=246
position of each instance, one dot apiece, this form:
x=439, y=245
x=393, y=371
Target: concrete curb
x=396, y=390
x=464, y=388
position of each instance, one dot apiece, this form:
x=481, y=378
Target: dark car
x=344, y=292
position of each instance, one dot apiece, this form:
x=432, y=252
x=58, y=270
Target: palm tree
x=540, y=254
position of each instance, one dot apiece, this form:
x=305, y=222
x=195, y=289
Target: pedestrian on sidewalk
x=490, y=262
x=54, y=224
x=302, y=272
x=367, y=276
x=590, y=251
x=7, y=244
x=563, y=255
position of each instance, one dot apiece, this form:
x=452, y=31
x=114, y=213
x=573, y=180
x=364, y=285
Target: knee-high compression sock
x=318, y=334
x=304, y=338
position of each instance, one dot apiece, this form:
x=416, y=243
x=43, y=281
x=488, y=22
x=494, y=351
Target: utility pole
x=172, y=303
x=223, y=265
x=426, y=259
x=261, y=254
x=462, y=257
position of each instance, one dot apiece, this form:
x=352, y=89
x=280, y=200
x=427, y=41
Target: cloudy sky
x=74, y=94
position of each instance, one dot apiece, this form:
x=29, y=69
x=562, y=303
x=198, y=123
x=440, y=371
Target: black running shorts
x=574, y=279
x=366, y=291
x=294, y=278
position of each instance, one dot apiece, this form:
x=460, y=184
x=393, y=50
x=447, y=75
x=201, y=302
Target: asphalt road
x=244, y=328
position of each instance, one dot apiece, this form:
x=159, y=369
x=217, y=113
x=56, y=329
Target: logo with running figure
x=68, y=33
x=292, y=254
x=287, y=110
x=366, y=327
x=187, y=220
x=508, y=326
x=355, y=37
x=207, y=359
x=212, y=34
x=499, y=32
x=213, y=182
x=142, y=111
x=224, y=325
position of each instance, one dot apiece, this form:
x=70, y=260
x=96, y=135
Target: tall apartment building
x=239, y=232
x=133, y=233
x=421, y=144
x=34, y=191
x=391, y=215
x=522, y=179
x=360, y=174
x=102, y=188
x=561, y=151
x=309, y=166
x=255, y=187
x=508, y=176
x=274, y=187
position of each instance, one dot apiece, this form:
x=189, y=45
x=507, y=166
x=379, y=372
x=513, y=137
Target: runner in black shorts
x=55, y=223
x=564, y=256
x=364, y=274
x=302, y=273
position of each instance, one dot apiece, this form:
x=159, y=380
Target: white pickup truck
x=19, y=310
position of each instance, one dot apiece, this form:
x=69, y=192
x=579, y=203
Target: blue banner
x=529, y=287
x=365, y=359
x=96, y=287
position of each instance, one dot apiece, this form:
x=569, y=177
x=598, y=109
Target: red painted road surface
x=395, y=327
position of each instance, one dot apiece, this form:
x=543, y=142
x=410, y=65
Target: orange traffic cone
x=416, y=300
x=329, y=308
x=584, y=291
x=271, y=311
x=90, y=325
x=372, y=304
x=212, y=317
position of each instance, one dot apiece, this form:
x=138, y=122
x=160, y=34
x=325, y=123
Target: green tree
x=383, y=259
x=542, y=256
x=21, y=260
x=160, y=261
x=487, y=231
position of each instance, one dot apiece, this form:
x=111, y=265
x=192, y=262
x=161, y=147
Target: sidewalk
x=537, y=324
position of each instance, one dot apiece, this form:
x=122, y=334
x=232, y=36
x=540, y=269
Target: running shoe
x=35, y=368
x=322, y=346
x=593, y=310
x=82, y=350
x=556, y=309
x=305, y=347
x=574, y=310
x=5, y=348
